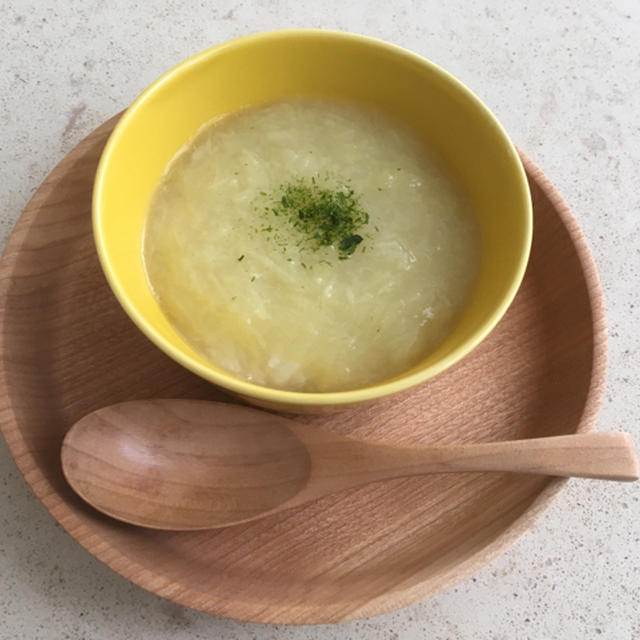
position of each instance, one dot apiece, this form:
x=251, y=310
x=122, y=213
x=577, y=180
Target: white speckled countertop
x=564, y=79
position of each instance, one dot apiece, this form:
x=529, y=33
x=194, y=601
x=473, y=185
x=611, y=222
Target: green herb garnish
x=322, y=216
x=348, y=245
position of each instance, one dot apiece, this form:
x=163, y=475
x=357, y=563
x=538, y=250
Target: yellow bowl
x=272, y=66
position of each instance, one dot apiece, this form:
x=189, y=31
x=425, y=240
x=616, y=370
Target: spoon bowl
x=162, y=464
x=189, y=464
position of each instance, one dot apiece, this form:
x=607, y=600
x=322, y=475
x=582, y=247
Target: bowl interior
x=270, y=67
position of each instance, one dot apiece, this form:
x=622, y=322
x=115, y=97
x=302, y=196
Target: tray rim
x=297, y=614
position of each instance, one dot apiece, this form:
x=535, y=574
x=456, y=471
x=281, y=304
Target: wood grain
x=67, y=348
x=185, y=465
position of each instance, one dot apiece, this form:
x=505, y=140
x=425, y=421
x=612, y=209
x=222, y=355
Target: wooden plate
x=67, y=348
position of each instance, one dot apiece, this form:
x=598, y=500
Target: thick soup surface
x=311, y=246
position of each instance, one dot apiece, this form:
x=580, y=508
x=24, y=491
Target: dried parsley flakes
x=321, y=216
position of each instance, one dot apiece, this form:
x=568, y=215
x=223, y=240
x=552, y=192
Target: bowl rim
x=282, y=396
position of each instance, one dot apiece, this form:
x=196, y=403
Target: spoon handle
x=608, y=456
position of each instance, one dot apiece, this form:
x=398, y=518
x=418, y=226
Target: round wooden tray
x=67, y=348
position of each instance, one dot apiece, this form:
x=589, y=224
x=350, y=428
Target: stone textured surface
x=564, y=79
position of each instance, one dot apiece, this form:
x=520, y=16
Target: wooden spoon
x=189, y=464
